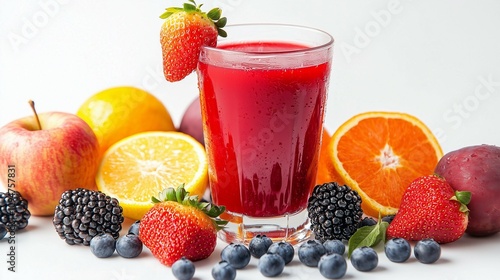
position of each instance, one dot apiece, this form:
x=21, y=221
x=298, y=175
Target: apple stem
x=32, y=104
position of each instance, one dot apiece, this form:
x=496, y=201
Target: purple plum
x=191, y=122
x=476, y=169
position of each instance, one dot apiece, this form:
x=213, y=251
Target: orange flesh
x=379, y=154
x=389, y=160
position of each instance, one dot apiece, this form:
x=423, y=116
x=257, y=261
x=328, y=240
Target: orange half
x=379, y=154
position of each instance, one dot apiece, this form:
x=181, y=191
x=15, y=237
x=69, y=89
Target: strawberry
x=178, y=225
x=185, y=30
x=430, y=208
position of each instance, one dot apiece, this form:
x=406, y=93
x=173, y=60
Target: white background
x=436, y=60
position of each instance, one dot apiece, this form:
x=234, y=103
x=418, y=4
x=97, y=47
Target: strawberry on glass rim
x=184, y=32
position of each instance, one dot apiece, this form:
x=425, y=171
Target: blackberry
x=82, y=214
x=334, y=211
x=14, y=213
x=3, y=231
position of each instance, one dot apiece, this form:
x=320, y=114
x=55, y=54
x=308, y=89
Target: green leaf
x=220, y=224
x=204, y=205
x=221, y=22
x=165, y=15
x=214, y=13
x=367, y=236
x=364, y=236
x=383, y=230
x=181, y=193
x=463, y=197
x=222, y=33
x=189, y=7
x=170, y=11
x=215, y=211
x=192, y=197
x=170, y=195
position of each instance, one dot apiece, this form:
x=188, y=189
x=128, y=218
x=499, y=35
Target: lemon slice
x=140, y=166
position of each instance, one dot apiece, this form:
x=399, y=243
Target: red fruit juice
x=262, y=131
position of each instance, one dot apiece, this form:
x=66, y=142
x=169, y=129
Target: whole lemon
x=118, y=112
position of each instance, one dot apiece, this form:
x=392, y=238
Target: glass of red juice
x=263, y=93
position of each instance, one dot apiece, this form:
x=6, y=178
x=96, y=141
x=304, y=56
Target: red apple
x=46, y=162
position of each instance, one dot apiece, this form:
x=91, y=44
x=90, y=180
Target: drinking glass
x=263, y=92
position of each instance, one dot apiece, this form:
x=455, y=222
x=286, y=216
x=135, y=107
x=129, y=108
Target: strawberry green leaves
x=214, y=15
x=180, y=195
x=464, y=198
x=368, y=236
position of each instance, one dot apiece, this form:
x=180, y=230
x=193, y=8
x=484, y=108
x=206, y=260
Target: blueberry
x=397, y=250
x=364, y=258
x=134, y=228
x=332, y=266
x=427, y=251
x=236, y=254
x=103, y=245
x=388, y=218
x=284, y=249
x=367, y=221
x=183, y=269
x=271, y=265
x=334, y=246
x=129, y=246
x=223, y=271
x=310, y=252
x=259, y=245
x=3, y=231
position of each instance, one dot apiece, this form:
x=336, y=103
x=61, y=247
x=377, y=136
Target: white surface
x=437, y=61
x=42, y=255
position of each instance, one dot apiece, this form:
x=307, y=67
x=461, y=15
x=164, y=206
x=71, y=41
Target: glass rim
x=328, y=44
